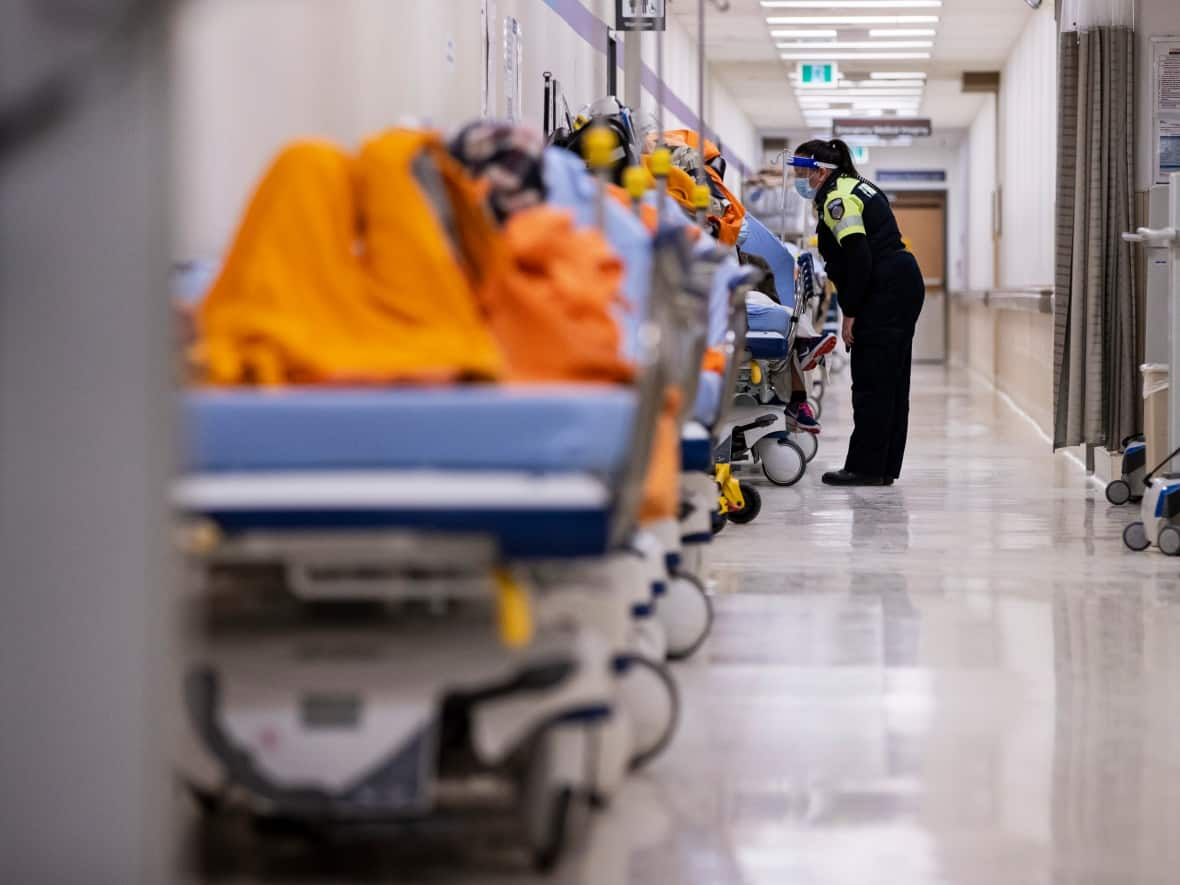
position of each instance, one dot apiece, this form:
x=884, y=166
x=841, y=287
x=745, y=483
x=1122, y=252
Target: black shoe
x=845, y=478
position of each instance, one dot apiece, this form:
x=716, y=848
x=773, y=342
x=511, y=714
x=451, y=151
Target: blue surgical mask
x=804, y=189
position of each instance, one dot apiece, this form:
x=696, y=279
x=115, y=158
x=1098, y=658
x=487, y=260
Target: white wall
x=250, y=75
x=1027, y=121
x=980, y=158
x=741, y=137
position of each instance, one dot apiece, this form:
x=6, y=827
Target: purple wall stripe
x=594, y=31
x=587, y=25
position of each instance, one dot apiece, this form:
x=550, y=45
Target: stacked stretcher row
x=445, y=506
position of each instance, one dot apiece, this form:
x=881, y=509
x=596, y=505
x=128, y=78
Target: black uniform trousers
x=882, y=354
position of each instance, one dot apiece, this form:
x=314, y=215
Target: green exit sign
x=818, y=74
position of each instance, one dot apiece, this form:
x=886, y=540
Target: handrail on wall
x=1036, y=299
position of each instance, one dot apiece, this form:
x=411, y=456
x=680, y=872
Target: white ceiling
x=972, y=35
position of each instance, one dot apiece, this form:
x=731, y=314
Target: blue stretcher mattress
x=766, y=345
x=768, y=318
x=541, y=429
x=708, y=402
x=764, y=244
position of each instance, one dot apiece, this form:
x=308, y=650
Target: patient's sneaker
x=801, y=418
x=809, y=351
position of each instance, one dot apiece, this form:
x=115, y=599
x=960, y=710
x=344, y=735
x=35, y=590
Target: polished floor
x=963, y=679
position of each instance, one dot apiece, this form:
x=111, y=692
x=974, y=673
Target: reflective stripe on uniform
x=848, y=225
x=843, y=211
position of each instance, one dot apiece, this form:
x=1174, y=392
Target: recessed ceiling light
x=898, y=75
x=804, y=32
x=854, y=56
x=888, y=33
x=860, y=44
x=852, y=4
x=852, y=20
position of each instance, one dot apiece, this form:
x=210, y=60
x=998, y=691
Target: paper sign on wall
x=487, y=43
x=513, y=73
x=1166, y=106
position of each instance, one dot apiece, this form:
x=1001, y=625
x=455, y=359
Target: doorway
x=922, y=215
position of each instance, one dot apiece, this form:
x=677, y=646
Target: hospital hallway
x=965, y=679
x=423, y=431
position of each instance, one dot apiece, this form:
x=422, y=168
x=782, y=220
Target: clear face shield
x=806, y=175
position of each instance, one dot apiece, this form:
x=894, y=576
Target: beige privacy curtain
x=1096, y=396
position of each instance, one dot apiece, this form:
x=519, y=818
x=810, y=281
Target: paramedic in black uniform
x=880, y=291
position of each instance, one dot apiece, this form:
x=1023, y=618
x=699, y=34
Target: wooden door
x=922, y=219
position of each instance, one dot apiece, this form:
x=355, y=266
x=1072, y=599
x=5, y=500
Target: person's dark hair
x=766, y=285
x=835, y=152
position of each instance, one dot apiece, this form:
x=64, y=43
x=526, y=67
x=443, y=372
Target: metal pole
x=701, y=88
x=1174, y=318
x=633, y=70
x=660, y=97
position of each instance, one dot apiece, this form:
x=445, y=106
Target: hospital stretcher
x=401, y=598
x=756, y=431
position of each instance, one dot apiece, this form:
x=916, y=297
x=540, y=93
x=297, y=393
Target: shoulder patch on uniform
x=836, y=209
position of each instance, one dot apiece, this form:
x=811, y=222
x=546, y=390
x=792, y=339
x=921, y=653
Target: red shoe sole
x=825, y=348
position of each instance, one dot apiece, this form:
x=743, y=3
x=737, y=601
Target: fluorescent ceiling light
x=813, y=98
x=888, y=33
x=898, y=75
x=848, y=20
x=837, y=94
x=860, y=44
x=852, y=4
x=884, y=84
x=816, y=32
x=854, y=56
x=807, y=107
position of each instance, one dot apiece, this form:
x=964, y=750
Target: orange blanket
x=384, y=268
x=317, y=287
x=549, y=308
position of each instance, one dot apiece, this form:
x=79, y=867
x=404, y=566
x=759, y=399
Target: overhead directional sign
x=818, y=74
x=885, y=127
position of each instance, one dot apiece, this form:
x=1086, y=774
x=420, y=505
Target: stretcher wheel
x=687, y=613
x=753, y=506
x=553, y=832
x=1169, y=540
x=1118, y=492
x=782, y=461
x=553, y=811
x=808, y=444
x=652, y=700
x=719, y=521
x=1135, y=536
